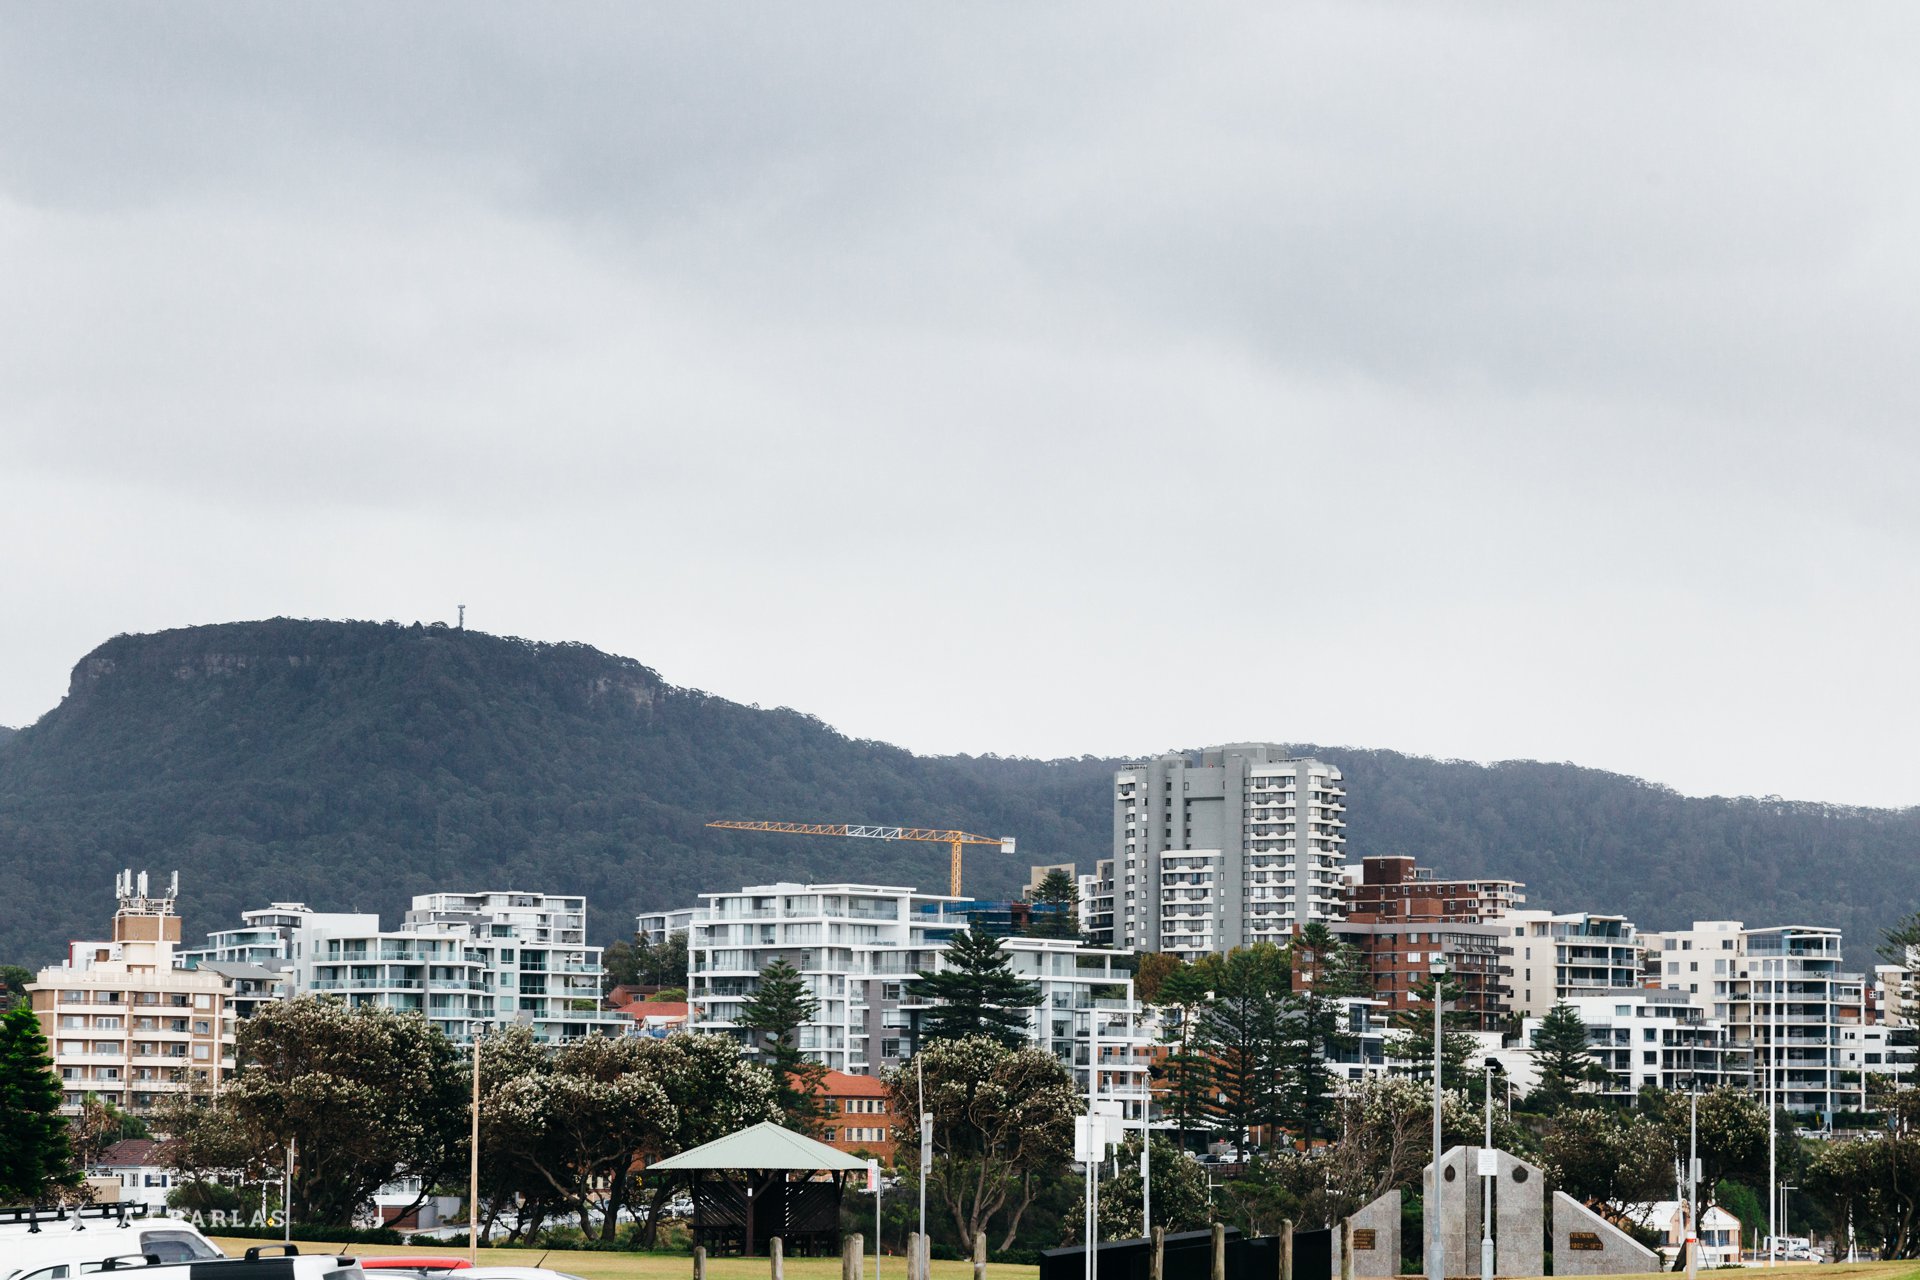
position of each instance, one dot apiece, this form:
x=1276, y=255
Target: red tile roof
x=839, y=1084
x=656, y=1009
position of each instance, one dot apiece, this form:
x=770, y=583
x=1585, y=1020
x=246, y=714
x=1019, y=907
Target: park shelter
x=761, y=1182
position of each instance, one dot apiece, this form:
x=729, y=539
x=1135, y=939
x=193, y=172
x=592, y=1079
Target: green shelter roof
x=764, y=1146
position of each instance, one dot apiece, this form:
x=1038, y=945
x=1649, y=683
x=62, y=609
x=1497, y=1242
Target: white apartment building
x=1880, y=1050
x=1785, y=999
x=466, y=961
x=1554, y=955
x=657, y=926
x=122, y=1023
x=858, y=946
x=1245, y=845
x=1645, y=1036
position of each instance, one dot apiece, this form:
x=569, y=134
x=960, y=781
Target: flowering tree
x=1002, y=1126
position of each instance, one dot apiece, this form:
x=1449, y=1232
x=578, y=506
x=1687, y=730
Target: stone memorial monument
x=1586, y=1244
x=1376, y=1239
x=1519, y=1212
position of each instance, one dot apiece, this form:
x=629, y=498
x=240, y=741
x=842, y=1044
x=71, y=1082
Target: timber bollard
x=1157, y=1261
x=1219, y=1252
x=913, y=1255
x=1346, y=1248
x=1286, y=1249
x=852, y=1257
x=776, y=1258
x=979, y=1255
x=699, y=1262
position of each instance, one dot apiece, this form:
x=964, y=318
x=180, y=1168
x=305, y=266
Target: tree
x=1413, y=1047
x=1563, y=1057
x=1241, y=1030
x=1326, y=973
x=1732, y=1133
x=641, y=963
x=1058, y=892
x=1155, y=968
x=1597, y=1154
x=1187, y=1069
x=367, y=1094
x=1002, y=1127
x=713, y=1092
x=781, y=1004
x=977, y=993
x=13, y=985
x=99, y=1125
x=1874, y=1185
x=35, y=1158
x=585, y=1121
x=1180, y=1200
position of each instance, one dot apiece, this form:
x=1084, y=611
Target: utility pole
x=1773, y=1124
x=1486, y=1186
x=473, y=1167
x=1436, y=1261
x=1693, y=1179
x=1146, y=1165
x=919, y=1265
x=286, y=1193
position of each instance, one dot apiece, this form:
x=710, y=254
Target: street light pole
x=1436, y=1261
x=1773, y=1123
x=1486, y=1187
x=1693, y=1179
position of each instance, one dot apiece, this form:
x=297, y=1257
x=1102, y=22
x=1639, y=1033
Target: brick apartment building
x=1401, y=916
x=857, y=1115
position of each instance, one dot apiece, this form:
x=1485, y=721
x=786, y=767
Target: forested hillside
x=351, y=765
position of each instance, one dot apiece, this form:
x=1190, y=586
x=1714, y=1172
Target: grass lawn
x=639, y=1266
x=642, y=1266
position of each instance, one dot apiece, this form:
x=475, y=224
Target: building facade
x=857, y=947
x=856, y=1115
x=1244, y=845
x=1554, y=955
x=1400, y=915
x=123, y=1023
x=1786, y=999
x=1643, y=1036
x=466, y=961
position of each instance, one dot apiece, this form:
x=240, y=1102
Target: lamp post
x=1693, y=1178
x=1436, y=1262
x=1486, y=1186
x=1773, y=1099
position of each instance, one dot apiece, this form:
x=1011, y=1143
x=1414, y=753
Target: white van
x=288, y=1264
x=56, y=1245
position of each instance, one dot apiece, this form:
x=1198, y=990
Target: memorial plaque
x=1584, y=1240
x=1362, y=1238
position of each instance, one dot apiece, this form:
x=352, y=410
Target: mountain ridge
x=353, y=764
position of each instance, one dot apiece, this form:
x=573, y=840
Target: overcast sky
x=1473, y=380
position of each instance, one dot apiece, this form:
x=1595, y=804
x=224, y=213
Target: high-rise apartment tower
x=1243, y=845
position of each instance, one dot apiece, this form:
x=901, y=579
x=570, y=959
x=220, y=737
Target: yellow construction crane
x=957, y=839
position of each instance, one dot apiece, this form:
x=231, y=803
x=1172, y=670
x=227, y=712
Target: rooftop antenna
x=142, y=882
x=463, y=616
x=173, y=886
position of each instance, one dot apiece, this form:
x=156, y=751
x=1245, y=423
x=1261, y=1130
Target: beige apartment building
x=126, y=1026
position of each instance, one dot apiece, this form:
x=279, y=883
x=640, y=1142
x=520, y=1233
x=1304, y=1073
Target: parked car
x=79, y=1241
x=416, y=1262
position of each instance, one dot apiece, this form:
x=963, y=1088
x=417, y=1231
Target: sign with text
x=1584, y=1240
